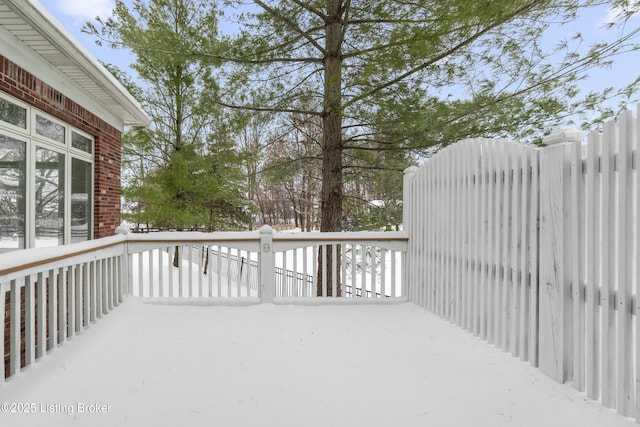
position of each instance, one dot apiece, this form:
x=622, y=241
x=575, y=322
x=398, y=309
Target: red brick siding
x=7, y=319
x=24, y=86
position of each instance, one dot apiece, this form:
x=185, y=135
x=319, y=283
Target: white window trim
x=19, y=103
x=33, y=140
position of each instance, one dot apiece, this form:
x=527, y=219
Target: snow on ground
x=223, y=283
x=271, y=365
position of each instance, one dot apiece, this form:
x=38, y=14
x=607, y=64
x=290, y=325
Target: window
x=46, y=179
x=50, y=129
x=81, y=183
x=13, y=114
x=81, y=142
x=49, y=198
x=12, y=193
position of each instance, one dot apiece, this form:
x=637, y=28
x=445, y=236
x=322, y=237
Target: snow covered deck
x=284, y=365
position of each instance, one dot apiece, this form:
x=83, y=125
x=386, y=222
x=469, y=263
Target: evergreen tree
x=438, y=71
x=443, y=70
x=183, y=171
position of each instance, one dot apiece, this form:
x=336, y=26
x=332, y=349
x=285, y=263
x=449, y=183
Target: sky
x=73, y=14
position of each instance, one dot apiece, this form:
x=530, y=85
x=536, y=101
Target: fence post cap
x=563, y=135
x=266, y=229
x=410, y=170
x=123, y=228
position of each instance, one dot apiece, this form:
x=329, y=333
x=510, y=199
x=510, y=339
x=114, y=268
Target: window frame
x=11, y=126
x=33, y=141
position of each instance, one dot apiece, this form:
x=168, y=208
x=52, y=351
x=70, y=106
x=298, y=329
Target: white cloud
x=617, y=14
x=85, y=9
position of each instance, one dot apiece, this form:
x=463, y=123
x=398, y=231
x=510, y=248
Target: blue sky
x=73, y=14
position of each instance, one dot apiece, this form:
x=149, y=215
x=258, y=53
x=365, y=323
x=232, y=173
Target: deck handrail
x=51, y=294
x=32, y=260
x=35, y=258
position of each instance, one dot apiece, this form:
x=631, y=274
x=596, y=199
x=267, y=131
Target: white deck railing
x=54, y=293
x=234, y=265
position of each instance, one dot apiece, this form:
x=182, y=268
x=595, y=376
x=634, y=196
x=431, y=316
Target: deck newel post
x=408, y=215
x=267, y=264
x=555, y=307
x=126, y=275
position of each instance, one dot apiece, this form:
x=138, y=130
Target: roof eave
x=68, y=46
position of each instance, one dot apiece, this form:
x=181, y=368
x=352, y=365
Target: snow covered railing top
x=21, y=263
x=368, y=263
x=261, y=265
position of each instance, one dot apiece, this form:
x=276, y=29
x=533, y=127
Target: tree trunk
x=331, y=202
x=206, y=261
x=176, y=257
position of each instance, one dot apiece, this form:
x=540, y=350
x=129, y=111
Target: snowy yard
x=278, y=365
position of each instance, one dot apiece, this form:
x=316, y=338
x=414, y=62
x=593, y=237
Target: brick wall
x=24, y=86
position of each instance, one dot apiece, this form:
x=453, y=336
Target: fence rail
x=537, y=250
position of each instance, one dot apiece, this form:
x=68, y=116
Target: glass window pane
x=50, y=129
x=12, y=113
x=49, y=198
x=12, y=193
x=81, y=221
x=81, y=142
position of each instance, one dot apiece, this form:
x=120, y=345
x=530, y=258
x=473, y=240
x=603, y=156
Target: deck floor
x=271, y=365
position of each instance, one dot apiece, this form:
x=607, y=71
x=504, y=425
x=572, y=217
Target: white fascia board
x=50, y=28
x=24, y=57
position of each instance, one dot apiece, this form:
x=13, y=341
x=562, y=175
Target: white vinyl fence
x=537, y=250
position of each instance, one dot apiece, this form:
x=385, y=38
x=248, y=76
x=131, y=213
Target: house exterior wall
x=22, y=85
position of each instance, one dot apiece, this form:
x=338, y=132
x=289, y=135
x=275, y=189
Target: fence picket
x=450, y=235
x=490, y=243
x=607, y=273
x=477, y=225
x=86, y=294
x=430, y=230
x=496, y=202
x=79, y=298
x=534, y=260
x=14, y=330
x=514, y=227
x=636, y=260
x=506, y=250
x=574, y=267
x=41, y=312
x=62, y=304
x=483, y=255
x=525, y=212
x=624, y=392
x=29, y=321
